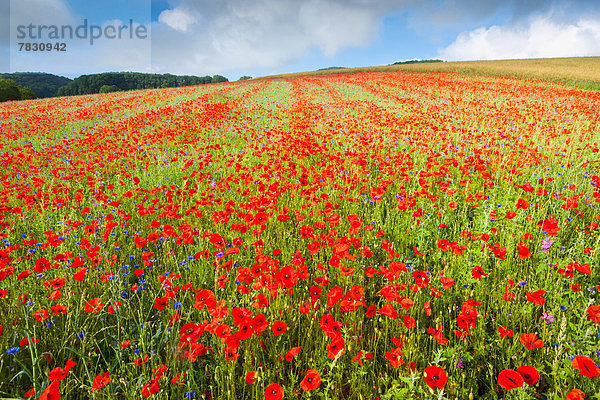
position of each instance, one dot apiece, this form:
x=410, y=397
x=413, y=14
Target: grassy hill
x=583, y=72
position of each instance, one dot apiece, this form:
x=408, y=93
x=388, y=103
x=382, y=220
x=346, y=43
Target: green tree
x=9, y=90
x=244, y=78
x=26, y=93
x=109, y=88
x=219, y=79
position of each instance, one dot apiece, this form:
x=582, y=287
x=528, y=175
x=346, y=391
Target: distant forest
x=43, y=85
x=49, y=85
x=416, y=61
x=115, y=81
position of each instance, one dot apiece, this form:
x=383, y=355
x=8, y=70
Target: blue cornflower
x=13, y=350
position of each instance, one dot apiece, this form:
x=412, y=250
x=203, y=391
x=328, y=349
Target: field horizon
x=583, y=72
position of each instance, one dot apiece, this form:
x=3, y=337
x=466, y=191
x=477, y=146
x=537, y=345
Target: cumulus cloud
x=541, y=36
x=212, y=37
x=177, y=19
x=226, y=36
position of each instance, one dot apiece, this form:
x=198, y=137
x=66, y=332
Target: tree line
x=27, y=85
x=10, y=90
x=116, y=81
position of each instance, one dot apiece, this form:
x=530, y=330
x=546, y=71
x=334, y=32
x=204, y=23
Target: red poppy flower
x=279, y=328
x=394, y=357
x=389, y=311
x=273, y=392
x=524, y=250
x=510, y=379
x=205, y=297
x=536, y=297
x=531, y=341
x=41, y=265
x=438, y=334
x=101, y=380
x=585, y=366
x=251, y=377
x=79, y=275
x=259, y=323
x=575, y=394
x=505, y=332
x=336, y=347
x=26, y=341
x=311, y=380
x=150, y=388
x=409, y=322
x=292, y=353
x=140, y=241
x=94, y=305
x=161, y=302
x=593, y=313
x=435, y=377
x=58, y=373
x=530, y=374
x=522, y=204
x=358, y=358
x=549, y=225
x=51, y=392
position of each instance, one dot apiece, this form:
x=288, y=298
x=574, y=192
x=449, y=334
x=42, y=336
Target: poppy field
x=361, y=236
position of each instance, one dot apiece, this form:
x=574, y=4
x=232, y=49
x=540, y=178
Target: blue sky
x=261, y=37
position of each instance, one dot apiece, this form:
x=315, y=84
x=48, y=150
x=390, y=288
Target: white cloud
x=539, y=37
x=177, y=19
x=209, y=37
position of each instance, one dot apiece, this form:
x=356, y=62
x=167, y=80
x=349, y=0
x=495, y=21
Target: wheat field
x=579, y=71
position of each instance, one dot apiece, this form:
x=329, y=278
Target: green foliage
x=417, y=61
x=42, y=84
x=244, y=78
x=89, y=84
x=26, y=93
x=218, y=79
x=9, y=90
x=109, y=88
